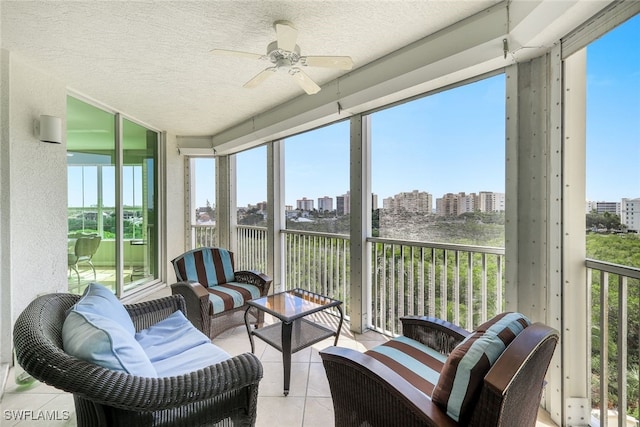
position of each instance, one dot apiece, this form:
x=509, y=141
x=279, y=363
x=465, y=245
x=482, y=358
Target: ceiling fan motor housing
x=281, y=57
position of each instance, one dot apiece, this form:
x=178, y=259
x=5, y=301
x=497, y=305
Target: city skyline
x=613, y=138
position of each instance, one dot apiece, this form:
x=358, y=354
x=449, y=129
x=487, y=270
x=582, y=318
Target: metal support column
x=275, y=214
x=360, y=195
x=226, y=217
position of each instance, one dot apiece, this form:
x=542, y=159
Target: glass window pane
x=203, y=201
x=139, y=199
x=317, y=180
x=91, y=196
x=251, y=167
x=438, y=166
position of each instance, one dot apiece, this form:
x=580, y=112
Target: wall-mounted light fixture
x=49, y=129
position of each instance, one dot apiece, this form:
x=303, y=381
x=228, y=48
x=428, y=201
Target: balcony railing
x=615, y=355
x=251, y=252
x=318, y=262
x=204, y=235
x=460, y=283
x=463, y=284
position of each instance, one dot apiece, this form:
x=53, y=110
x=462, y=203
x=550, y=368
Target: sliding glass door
x=112, y=200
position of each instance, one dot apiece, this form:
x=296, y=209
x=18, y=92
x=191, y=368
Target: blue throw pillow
x=98, y=299
x=100, y=340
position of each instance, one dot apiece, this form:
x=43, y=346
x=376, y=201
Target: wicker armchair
x=223, y=394
x=368, y=392
x=200, y=272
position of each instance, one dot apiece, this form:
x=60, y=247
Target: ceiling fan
x=285, y=56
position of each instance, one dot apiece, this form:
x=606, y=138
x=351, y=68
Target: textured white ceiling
x=151, y=60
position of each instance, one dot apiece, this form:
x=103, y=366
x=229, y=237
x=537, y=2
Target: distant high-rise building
x=325, y=204
x=602, y=207
x=343, y=204
x=630, y=214
x=304, y=204
x=488, y=201
x=466, y=203
x=447, y=205
x=457, y=204
x=415, y=201
x=374, y=201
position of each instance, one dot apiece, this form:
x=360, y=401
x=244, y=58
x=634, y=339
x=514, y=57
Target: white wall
x=175, y=205
x=33, y=192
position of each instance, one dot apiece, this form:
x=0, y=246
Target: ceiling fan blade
x=237, y=53
x=286, y=35
x=304, y=81
x=260, y=77
x=339, y=62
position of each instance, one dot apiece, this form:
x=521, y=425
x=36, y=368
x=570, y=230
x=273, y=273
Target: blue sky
x=454, y=141
x=613, y=114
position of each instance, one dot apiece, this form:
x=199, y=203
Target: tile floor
x=307, y=405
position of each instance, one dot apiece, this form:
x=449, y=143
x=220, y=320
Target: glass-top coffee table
x=293, y=332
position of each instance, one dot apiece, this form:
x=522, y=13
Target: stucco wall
x=175, y=206
x=37, y=258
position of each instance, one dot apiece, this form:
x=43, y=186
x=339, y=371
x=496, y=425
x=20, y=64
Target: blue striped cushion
x=231, y=295
x=462, y=374
x=207, y=266
x=415, y=362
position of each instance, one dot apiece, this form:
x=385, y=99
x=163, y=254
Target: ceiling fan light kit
x=285, y=55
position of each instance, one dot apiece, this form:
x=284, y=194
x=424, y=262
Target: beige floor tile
x=272, y=383
x=271, y=354
x=280, y=411
x=318, y=412
x=318, y=385
x=18, y=408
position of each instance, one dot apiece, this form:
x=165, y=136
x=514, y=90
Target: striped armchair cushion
x=228, y=296
x=415, y=362
x=207, y=266
x=464, y=370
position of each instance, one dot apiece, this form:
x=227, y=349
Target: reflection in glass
x=139, y=204
x=93, y=198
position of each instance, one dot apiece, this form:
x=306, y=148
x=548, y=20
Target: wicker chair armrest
x=147, y=313
x=374, y=394
x=513, y=387
x=256, y=278
x=511, y=361
x=128, y=392
x=198, y=306
x=438, y=334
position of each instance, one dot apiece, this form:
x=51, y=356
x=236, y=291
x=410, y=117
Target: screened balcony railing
x=434, y=279
x=459, y=283
x=318, y=262
x=615, y=352
x=204, y=235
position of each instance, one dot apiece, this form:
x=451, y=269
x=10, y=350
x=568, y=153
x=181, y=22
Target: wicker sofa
x=215, y=293
x=407, y=381
x=222, y=394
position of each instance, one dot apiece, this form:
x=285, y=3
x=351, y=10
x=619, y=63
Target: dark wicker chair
x=192, y=285
x=224, y=394
x=367, y=392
